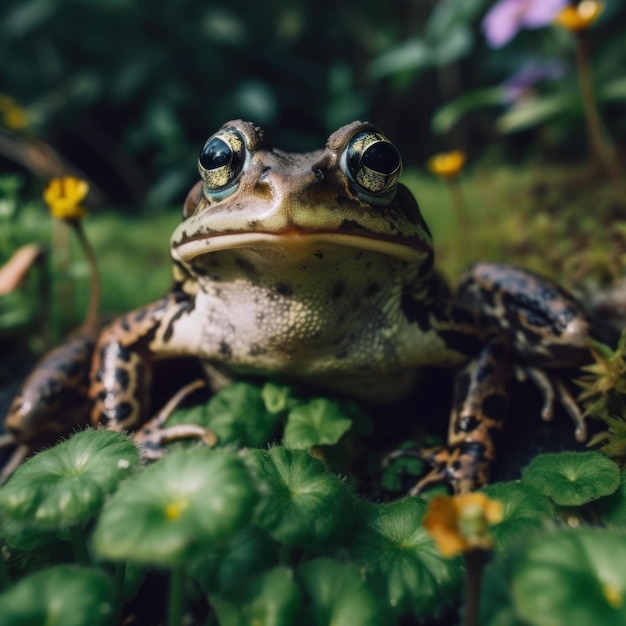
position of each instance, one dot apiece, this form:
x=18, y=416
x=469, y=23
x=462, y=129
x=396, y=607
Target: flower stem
x=94, y=297
x=79, y=545
x=5, y=577
x=474, y=564
x=601, y=149
x=178, y=575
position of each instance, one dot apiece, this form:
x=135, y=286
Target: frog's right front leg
x=121, y=371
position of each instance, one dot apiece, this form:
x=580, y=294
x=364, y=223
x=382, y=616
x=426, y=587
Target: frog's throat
x=298, y=243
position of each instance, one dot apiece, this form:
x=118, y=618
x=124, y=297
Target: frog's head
x=347, y=195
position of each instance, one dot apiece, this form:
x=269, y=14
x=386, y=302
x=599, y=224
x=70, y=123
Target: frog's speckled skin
x=318, y=267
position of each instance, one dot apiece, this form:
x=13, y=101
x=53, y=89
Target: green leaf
x=279, y=398
x=530, y=113
x=390, y=543
x=303, y=504
x=248, y=553
x=319, y=422
x=189, y=501
x=449, y=114
x=612, y=90
x=572, y=478
x=414, y=54
x=612, y=508
x=572, y=577
x=236, y=414
x=271, y=599
x=524, y=511
x=68, y=483
x=340, y=597
x=60, y=596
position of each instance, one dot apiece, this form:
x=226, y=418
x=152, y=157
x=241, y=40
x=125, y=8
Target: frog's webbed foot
x=463, y=467
x=553, y=390
x=152, y=437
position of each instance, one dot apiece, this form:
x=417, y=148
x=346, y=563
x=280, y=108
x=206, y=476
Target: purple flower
x=518, y=85
x=507, y=17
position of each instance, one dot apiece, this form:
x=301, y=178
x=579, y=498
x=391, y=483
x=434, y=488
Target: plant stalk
x=94, y=297
x=178, y=575
x=475, y=561
x=79, y=545
x=602, y=150
x=5, y=577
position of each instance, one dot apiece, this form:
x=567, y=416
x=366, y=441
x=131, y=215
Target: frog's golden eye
x=222, y=159
x=373, y=163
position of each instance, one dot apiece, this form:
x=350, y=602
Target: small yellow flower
x=447, y=164
x=63, y=197
x=12, y=116
x=461, y=523
x=175, y=509
x=580, y=16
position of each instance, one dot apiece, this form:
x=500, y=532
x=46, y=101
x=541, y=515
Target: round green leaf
x=303, y=503
x=248, y=553
x=68, y=483
x=340, y=597
x=236, y=414
x=318, y=422
x=60, y=596
x=524, y=510
x=391, y=543
x=572, y=577
x=190, y=500
x=613, y=507
x=572, y=478
x=271, y=599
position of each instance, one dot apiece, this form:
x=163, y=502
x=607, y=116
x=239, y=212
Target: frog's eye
x=222, y=159
x=373, y=163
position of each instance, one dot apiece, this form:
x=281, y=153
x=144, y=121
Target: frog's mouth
x=299, y=243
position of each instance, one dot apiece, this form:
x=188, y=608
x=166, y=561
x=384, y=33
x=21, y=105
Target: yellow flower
x=461, y=523
x=447, y=164
x=579, y=17
x=63, y=197
x=12, y=115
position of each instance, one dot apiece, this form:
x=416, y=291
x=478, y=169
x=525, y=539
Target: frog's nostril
x=264, y=174
x=319, y=174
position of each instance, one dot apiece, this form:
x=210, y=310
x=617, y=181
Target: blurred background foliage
x=126, y=92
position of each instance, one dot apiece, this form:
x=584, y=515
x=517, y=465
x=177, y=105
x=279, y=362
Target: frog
x=318, y=268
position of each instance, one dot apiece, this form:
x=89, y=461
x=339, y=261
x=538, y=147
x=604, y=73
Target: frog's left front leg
x=123, y=361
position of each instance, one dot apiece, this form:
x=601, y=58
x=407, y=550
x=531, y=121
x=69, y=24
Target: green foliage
x=189, y=501
x=572, y=478
x=60, y=596
x=263, y=529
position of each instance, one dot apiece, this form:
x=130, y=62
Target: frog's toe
x=463, y=466
x=553, y=390
x=152, y=440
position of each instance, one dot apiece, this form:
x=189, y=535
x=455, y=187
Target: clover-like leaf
x=318, y=422
x=248, y=553
x=340, y=597
x=64, y=595
x=572, y=478
x=68, y=483
x=572, y=577
x=303, y=503
x=524, y=510
x=191, y=500
x=612, y=508
x=236, y=414
x=390, y=542
x=279, y=398
x=269, y=599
